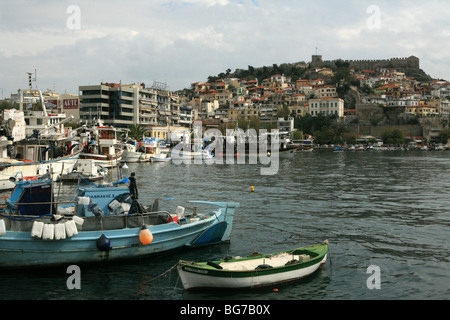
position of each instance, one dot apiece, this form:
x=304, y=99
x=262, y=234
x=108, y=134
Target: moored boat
x=101, y=146
x=36, y=164
x=86, y=170
x=161, y=157
x=105, y=223
x=131, y=153
x=305, y=145
x=48, y=150
x=254, y=271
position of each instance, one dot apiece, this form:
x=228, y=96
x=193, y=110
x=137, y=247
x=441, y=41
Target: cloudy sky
x=73, y=43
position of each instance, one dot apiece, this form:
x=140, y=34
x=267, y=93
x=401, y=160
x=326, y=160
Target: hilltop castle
x=408, y=63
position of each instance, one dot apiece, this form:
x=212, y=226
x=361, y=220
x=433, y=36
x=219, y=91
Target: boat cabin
x=32, y=197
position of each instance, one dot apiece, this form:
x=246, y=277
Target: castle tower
x=316, y=61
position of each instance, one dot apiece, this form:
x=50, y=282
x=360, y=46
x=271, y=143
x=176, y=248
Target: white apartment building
x=402, y=102
x=326, y=106
x=186, y=116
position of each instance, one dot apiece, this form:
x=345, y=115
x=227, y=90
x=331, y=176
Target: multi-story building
x=170, y=133
x=124, y=105
x=286, y=124
x=298, y=110
x=186, y=116
x=208, y=108
x=326, y=91
x=402, y=103
x=224, y=98
x=148, y=106
x=242, y=110
x=421, y=110
x=326, y=106
x=113, y=103
x=268, y=112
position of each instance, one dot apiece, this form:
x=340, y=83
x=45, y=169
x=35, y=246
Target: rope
x=28, y=219
x=165, y=272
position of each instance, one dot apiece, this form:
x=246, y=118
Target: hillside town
x=368, y=97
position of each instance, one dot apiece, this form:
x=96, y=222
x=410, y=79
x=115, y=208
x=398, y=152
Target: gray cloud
x=180, y=42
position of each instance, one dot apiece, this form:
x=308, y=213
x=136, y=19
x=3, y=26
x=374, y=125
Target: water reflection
x=384, y=208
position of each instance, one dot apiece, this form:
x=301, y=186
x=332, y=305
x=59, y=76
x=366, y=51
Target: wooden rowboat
x=254, y=271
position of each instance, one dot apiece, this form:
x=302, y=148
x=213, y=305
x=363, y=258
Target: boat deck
x=274, y=261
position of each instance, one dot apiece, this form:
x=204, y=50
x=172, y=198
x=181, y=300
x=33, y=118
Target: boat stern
x=219, y=232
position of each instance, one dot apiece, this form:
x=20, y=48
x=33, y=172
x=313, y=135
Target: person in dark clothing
x=133, y=187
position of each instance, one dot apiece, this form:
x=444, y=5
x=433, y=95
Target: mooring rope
x=165, y=272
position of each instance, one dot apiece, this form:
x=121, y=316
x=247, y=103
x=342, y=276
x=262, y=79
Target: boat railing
x=163, y=215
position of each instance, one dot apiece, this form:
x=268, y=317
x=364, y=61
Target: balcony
x=148, y=115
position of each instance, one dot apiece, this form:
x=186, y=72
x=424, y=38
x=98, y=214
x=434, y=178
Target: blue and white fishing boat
x=104, y=223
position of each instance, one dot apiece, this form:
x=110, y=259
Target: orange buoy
x=145, y=236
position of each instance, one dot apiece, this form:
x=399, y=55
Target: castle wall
x=404, y=63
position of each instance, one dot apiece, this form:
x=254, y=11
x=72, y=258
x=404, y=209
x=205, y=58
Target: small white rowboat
x=257, y=270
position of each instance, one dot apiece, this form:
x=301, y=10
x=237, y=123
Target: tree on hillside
x=394, y=136
x=310, y=125
x=283, y=111
x=251, y=70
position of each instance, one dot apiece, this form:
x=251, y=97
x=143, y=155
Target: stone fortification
x=402, y=63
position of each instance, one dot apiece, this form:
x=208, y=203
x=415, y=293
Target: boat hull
x=62, y=165
x=18, y=249
x=75, y=176
x=194, y=278
x=160, y=159
x=134, y=157
x=106, y=161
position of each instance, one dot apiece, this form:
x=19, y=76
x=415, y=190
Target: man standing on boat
x=133, y=187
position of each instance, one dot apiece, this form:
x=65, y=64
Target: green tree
x=251, y=70
x=394, y=136
x=136, y=131
x=326, y=135
x=283, y=111
x=444, y=136
x=5, y=104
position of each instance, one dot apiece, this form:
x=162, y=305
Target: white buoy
x=36, y=230
x=2, y=227
x=60, y=231
x=71, y=228
x=49, y=232
x=79, y=221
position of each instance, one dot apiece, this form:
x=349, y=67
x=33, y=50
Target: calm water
x=388, y=209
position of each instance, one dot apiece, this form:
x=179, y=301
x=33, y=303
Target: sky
x=74, y=43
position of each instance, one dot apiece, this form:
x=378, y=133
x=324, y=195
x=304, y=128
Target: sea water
x=385, y=214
